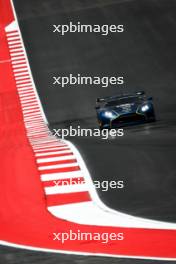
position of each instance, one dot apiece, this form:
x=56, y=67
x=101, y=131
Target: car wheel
x=100, y=125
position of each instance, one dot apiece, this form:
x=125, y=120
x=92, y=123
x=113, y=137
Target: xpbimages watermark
x=104, y=185
x=78, y=27
x=87, y=236
x=78, y=79
x=88, y=132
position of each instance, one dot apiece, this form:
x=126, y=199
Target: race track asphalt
x=145, y=54
x=17, y=256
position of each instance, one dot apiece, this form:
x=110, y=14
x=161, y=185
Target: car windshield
x=127, y=100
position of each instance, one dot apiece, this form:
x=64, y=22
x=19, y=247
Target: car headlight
x=144, y=108
x=109, y=114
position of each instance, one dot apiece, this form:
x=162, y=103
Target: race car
x=125, y=109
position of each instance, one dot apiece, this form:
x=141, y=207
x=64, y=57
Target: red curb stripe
x=60, y=199
x=56, y=162
x=60, y=170
x=57, y=155
x=63, y=182
x=53, y=150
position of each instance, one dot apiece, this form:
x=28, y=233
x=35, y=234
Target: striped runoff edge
x=55, y=158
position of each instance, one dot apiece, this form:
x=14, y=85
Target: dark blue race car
x=126, y=109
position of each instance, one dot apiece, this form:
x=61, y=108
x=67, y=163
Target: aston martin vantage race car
x=126, y=109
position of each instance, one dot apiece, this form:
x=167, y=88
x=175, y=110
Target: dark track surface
x=145, y=54
x=12, y=256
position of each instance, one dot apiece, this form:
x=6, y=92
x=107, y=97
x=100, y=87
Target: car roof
x=140, y=94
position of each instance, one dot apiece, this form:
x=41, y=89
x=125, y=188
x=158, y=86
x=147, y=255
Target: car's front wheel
x=100, y=125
